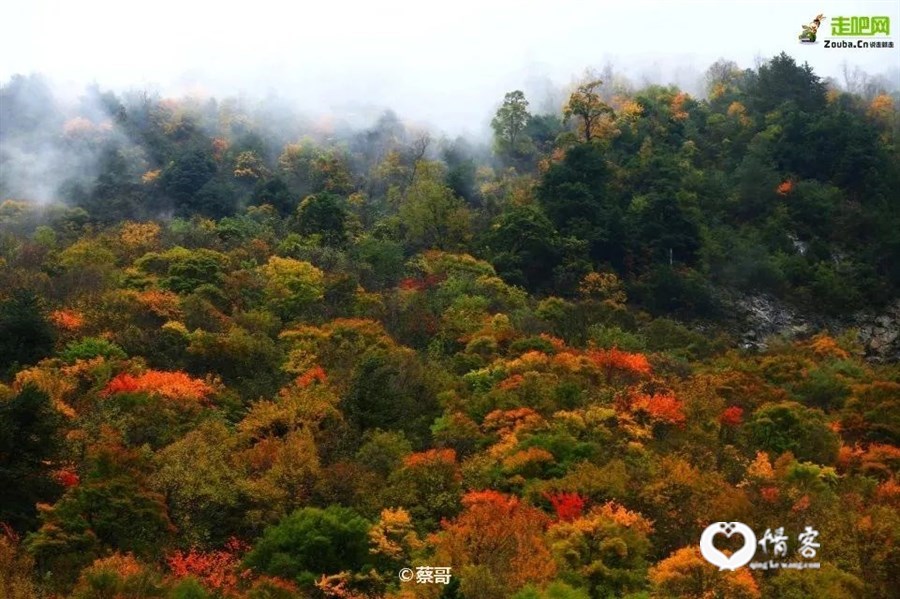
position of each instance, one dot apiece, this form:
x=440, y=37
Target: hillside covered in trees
x=248, y=354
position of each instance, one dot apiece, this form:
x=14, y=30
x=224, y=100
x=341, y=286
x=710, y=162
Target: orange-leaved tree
x=171, y=385
x=685, y=574
x=496, y=544
x=615, y=363
x=219, y=570
x=661, y=408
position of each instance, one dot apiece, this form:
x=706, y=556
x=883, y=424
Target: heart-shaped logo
x=737, y=559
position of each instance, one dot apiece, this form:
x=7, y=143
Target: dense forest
x=245, y=353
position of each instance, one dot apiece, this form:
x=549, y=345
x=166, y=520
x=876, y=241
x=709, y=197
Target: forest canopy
x=242, y=356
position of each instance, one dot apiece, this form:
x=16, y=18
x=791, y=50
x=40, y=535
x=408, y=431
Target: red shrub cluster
x=492, y=498
x=785, y=188
x=67, y=477
x=219, y=570
x=615, y=360
x=314, y=374
x=172, y=385
x=661, y=407
x=732, y=416
x=568, y=506
x=430, y=458
x=67, y=320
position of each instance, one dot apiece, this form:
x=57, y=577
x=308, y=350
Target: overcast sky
x=446, y=62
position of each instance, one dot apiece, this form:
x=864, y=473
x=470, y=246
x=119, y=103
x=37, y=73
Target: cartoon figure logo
x=808, y=35
x=740, y=557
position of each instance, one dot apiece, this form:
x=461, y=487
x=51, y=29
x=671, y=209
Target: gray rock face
x=880, y=334
x=763, y=317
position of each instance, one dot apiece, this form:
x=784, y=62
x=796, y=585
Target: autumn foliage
x=67, y=477
x=677, y=108
x=500, y=533
x=249, y=356
x=314, y=374
x=568, y=506
x=432, y=457
x=617, y=362
x=67, y=320
x=218, y=570
x=661, y=407
x=785, y=187
x=171, y=385
x=732, y=416
x=687, y=574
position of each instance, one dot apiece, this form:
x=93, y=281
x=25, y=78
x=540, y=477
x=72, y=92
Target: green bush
x=91, y=347
x=666, y=290
x=311, y=542
x=789, y=426
x=613, y=336
x=555, y=590
x=664, y=334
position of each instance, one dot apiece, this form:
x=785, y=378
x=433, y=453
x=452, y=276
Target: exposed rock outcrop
x=880, y=333
x=761, y=318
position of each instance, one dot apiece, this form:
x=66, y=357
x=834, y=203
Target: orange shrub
x=67, y=320
x=172, y=385
x=67, y=477
x=164, y=304
x=621, y=515
x=662, y=407
x=676, y=106
x=889, y=492
x=219, y=570
x=430, y=458
x=614, y=360
x=785, y=188
x=314, y=374
x=511, y=382
x=567, y=361
x=825, y=346
x=500, y=533
x=732, y=416
x=490, y=497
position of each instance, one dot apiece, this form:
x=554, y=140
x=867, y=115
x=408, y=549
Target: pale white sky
x=446, y=62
